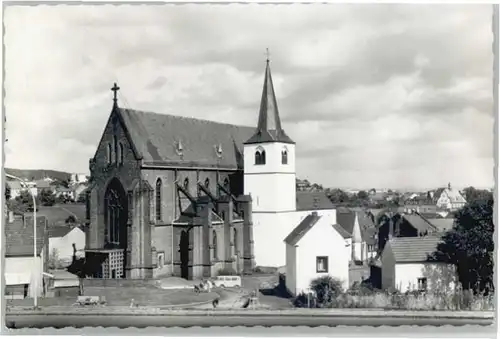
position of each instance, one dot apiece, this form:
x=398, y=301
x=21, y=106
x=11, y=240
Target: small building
x=22, y=271
x=449, y=198
x=61, y=283
x=316, y=248
x=64, y=241
x=360, y=226
x=407, y=266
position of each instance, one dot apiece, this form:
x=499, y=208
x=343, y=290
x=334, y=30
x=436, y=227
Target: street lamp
x=35, y=287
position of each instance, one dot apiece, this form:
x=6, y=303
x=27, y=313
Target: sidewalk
x=172, y=311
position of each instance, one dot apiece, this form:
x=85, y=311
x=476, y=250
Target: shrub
x=326, y=289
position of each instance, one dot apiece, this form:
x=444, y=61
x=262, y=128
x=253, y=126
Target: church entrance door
x=116, y=215
x=184, y=254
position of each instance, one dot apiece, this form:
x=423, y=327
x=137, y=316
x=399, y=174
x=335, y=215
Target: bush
x=326, y=289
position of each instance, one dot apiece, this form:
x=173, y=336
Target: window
x=284, y=157
x=214, y=241
x=321, y=264
x=158, y=200
x=235, y=240
x=115, y=149
x=260, y=156
x=109, y=154
x=186, y=184
x=242, y=213
x=223, y=215
x=121, y=153
x=226, y=184
x=422, y=284
x=207, y=183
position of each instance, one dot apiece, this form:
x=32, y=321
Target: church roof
x=162, y=139
x=269, y=126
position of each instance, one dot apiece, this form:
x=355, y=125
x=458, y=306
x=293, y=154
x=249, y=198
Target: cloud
x=374, y=95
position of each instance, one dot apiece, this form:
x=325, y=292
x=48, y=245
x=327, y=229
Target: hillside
x=36, y=174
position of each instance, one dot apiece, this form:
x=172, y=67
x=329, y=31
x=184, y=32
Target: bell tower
x=269, y=158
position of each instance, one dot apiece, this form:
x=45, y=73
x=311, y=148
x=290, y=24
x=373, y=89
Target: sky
x=386, y=96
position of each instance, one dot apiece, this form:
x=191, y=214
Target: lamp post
x=35, y=283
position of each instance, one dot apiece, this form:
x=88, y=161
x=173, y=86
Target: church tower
x=269, y=158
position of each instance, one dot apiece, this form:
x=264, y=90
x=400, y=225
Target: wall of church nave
x=271, y=192
x=163, y=242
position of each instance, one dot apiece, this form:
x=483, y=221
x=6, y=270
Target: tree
x=472, y=194
x=23, y=202
x=338, y=196
x=469, y=245
x=362, y=195
x=47, y=198
x=70, y=220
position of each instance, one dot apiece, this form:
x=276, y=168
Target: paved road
x=57, y=321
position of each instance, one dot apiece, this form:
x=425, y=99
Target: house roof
x=302, y=228
x=19, y=235
x=418, y=222
x=14, y=184
x=162, y=139
x=342, y=231
x=58, y=231
x=310, y=201
x=269, y=127
x=413, y=249
x=346, y=219
x=442, y=224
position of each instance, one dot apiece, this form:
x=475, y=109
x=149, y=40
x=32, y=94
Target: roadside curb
x=158, y=311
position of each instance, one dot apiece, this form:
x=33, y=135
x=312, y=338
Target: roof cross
x=115, y=90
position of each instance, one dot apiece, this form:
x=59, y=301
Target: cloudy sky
x=374, y=95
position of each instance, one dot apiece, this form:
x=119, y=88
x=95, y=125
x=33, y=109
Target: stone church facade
x=166, y=198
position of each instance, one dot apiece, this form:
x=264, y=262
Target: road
x=140, y=321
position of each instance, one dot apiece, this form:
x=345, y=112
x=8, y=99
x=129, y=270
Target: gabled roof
x=60, y=231
x=19, y=236
x=310, y=201
x=269, y=127
x=442, y=224
x=342, y=231
x=162, y=139
x=346, y=218
x=302, y=228
x=419, y=223
x=413, y=249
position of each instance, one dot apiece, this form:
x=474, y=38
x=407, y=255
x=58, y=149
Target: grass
x=122, y=296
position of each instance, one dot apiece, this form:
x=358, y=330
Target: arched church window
x=263, y=158
x=158, y=200
x=226, y=184
x=115, y=149
x=121, y=153
x=214, y=241
x=257, y=157
x=207, y=183
x=235, y=240
x=186, y=184
x=109, y=154
x=284, y=156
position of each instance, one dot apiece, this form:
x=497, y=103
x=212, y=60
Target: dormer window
x=179, y=149
x=284, y=156
x=260, y=156
x=218, y=150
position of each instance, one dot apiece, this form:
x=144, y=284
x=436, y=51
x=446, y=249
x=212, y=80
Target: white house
x=61, y=240
x=270, y=179
x=406, y=266
x=316, y=248
x=23, y=271
x=449, y=198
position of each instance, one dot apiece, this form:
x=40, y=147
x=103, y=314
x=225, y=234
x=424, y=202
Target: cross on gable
x=115, y=90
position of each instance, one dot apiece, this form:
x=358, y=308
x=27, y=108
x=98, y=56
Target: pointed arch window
x=235, y=240
x=207, y=183
x=109, y=153
x=121, y=153
x=260, y=156
x=115, y=149
x=158, y=200
x=214, y=241
x=186, y=183
x=226, y=185
x=284, y=156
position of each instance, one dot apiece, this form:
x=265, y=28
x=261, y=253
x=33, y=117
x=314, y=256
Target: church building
x=179, y=196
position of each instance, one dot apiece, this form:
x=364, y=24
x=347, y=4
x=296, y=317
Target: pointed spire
x=269, y=125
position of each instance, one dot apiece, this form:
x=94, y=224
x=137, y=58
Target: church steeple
x=269, y=125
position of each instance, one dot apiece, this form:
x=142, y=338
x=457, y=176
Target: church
x=177, y=196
